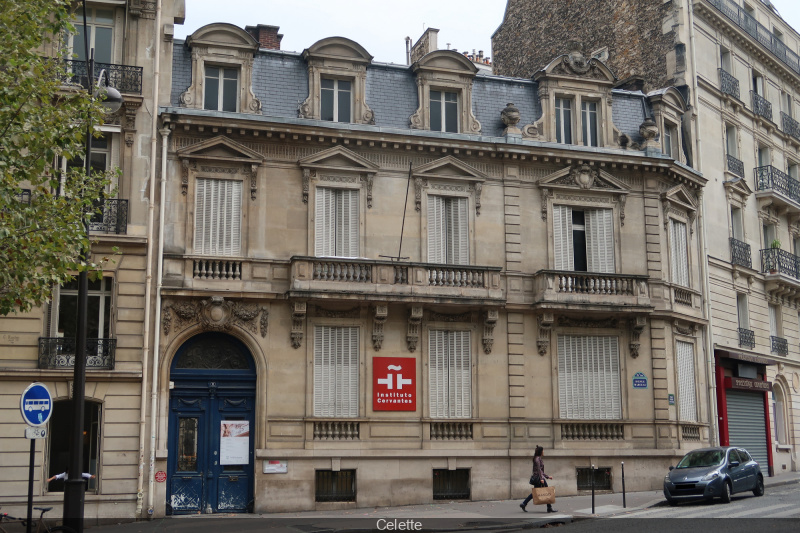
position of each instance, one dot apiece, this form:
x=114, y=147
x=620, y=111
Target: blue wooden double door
x=211, y=427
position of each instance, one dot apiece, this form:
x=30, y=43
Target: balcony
x=735, y=166
x=747, y=338
x=124, y=78
x=761, y=106
x=749, y=25
x=728, y=84
x=782, y=274
x=779, y=187
x=111, y=217
x=586, y=290
x=740, y=253
x=779, y=345
x=790, y=126
x=355, y=278
x=59, y=353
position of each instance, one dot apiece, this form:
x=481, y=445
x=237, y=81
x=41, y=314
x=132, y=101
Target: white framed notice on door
x=234, y=442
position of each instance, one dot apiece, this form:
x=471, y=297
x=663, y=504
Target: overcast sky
x=379, y=26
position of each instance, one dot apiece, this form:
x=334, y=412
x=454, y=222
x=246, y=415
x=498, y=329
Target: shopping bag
x=542, y=495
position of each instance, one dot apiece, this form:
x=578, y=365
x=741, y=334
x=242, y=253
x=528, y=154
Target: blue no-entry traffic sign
x=36, y=404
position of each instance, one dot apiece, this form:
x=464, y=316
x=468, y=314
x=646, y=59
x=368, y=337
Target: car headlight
x=666, y=478
x=709, y=477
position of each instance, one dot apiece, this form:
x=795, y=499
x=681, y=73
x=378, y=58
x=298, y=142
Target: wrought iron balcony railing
x=125, y=78
x=735, y=166
x=779, y=345
x=747, y=338
x=771, y=178
x=24, y=196
x=740, y=253
x=59, y=352
x=763, y=35
x=112, y=219
x=775, y=261
x=790, y=126
x=761, y=106
x=728, y=84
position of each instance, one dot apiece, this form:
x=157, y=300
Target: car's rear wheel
x=759, y=488
x=726, y=492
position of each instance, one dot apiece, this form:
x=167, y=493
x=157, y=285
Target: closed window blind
x=218, y=217
x=599, y=239
x=336, y=371
x=773, y=321
x=448, y=230
x=687, y=397
x=680, y=258
x=588, y=378
x=336, y=227
x=450, y=374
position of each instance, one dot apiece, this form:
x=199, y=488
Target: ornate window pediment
x=678, y=202
x=227, y=47
x=444, y=71
x=338, y=161
x=220, y=156
x=448, y=175
x=668, y=110
x=574, y=182
x=737, y=190
x=337, y=58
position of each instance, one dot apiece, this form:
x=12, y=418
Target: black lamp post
x=74, y=488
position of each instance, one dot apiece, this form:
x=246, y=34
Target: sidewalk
x=447, y=516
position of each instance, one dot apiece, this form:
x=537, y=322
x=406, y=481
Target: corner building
x=548, y=289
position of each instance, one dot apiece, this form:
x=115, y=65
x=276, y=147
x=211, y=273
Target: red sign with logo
x=161, y=476
x=394, y=384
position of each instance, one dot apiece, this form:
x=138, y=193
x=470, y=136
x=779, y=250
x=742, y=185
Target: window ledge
x=784, y=447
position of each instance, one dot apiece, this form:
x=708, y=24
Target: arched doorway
x=211, y=426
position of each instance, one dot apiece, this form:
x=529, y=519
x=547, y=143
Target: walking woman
x=538, y=478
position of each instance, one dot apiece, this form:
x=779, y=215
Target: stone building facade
x=40, y=346
x=740, y=75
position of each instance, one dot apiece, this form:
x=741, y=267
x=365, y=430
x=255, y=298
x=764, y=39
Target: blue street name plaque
x=639, y=381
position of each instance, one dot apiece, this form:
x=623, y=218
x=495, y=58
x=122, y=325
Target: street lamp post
x=74, y=488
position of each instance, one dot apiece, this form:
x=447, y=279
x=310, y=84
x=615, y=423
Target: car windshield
x=702, y=458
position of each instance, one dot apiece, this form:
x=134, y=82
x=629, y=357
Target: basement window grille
x=602, y=478
x=451, y=484
x=333, y=486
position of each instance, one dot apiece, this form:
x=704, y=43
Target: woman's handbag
x=534, y=481
x=542, y=495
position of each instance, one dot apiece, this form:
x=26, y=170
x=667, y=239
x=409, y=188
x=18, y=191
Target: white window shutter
x=336, y=371
x=680, y=258
x=562, y=235
x=218, y=217
x=323, y=370
x=462, y=358
x=347, y=230
x=437, y=238
x=450, y=374
x=588, y=378
x=437, y=373
x=456, y=231
x=324, y=223
x=600, y=240
x=687, y=398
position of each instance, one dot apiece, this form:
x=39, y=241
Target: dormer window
x=221, y=89
x=670, y=140
x=564, y=120
x=335, y=100
x=444, y=111
x=589, y=123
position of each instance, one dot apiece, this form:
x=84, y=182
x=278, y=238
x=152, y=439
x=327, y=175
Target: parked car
x=713, y=473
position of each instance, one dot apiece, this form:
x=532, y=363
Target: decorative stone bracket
x=214, y=314
x=545, y=326
x=686, y=328
x=414, y=327
x=298, y=323
x=381, y=313
x=637, y=326
x=489, y=321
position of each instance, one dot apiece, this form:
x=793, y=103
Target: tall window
x=450, y=374
x=779, y=412
x=336, y=371
x=687, y=394
x=335, y=100
x=792, y=170
x=737, y=226
x=221, y=89
x=679, y=253
x=774, y=321
x=763, y=156
x=444, y=111
x=725, y=60
x=741, y=309
x=588, y=378
x=100, y=31
x=730, y=141
x=60, y=429
x=584, y=239
x=786, y=103
x=589, y=123
x=218, y=217
x=758, y=83
x=670, y=140
x=336, y=228
x=448, y=230
x=769, y=234
x=98, y=312
x=564, y=120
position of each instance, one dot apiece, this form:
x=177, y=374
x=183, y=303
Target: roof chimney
x=267, y=36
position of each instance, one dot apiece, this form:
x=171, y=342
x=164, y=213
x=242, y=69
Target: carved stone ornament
x=477, y=188
x=545, y=326
x=489, y=321
x=637, y=326
x=649, y=130
x=214, y=314
x=306, y=180
x=546, y=194
x=379, y=316
x=253, y=181
x=321, y=312
x=575, y=60
x=185, y=164
x=419, y=183
x=414, y=327
x=687, y=328
x=569, y=322
x=510, y=117
x=445, y=317
x=298, y=323
x=583, y=176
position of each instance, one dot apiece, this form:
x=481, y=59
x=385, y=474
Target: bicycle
x=41, y=525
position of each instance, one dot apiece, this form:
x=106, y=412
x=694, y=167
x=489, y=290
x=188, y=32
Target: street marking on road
x=600, y=509
x=759, y=513
x=788, y=514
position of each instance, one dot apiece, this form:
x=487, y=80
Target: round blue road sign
x=36, y=404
